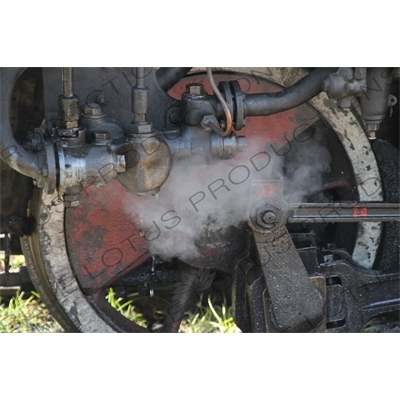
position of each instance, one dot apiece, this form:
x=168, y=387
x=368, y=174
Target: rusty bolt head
x=68, y=111
x=93, y=109
x=141, y=128
x=100, y=136
x=196, y=89
x=269, y=217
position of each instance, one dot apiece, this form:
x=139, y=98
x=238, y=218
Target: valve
x=147, y=156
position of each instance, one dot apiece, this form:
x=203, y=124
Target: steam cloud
x=200, y=200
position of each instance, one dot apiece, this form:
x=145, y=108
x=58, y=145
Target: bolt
x=175, y=118
x=371, y=135
x=196, y=89
x=102, y=99
x=100, y=136
x=269, y=217
x=372, y=128
x=93, y=109
x=140, y=128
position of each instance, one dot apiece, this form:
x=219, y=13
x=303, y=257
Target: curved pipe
x=228, y=115
x=168, y=76
x=11, y=152
x=302, y=91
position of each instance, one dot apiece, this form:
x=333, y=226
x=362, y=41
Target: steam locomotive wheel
x=77, y=254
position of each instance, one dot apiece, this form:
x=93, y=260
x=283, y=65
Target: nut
x=196, y=89
x=102, y=99
x=93, y=109
x=100, y=136
x=141, y=128
x=269, y=217
x=68, y=111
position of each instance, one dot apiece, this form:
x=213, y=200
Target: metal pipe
x=167, y=77
x=228, y=115
x=302, y=91
x=139, y=76
x=68, y=82
x=11, y=152
x=140, y=96
x=374, y=102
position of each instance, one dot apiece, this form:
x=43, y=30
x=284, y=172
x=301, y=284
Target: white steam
x=198, y=200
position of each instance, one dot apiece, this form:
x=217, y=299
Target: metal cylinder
x=68, y=81
x=168, y=77
x=374, y=103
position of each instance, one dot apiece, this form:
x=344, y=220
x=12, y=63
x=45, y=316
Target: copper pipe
x=228, y=115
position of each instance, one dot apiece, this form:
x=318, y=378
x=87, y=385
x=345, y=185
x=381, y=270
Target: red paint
x=266, y=190
x=359, y=212
x=103, y=238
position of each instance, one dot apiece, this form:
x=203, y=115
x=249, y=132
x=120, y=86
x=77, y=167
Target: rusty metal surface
x=354, y=295
x=295, y=304
x=103, y=240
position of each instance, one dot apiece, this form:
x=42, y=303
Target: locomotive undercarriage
x=163, y=186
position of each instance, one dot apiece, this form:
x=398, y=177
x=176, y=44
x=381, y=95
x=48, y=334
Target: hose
x=299, y=93
x=169, y=76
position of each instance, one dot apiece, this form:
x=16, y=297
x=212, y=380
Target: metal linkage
x=299, y=297
x=343, y=212
x=292, y=303
x=354, y=295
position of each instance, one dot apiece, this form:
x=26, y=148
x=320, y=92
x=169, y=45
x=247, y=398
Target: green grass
x=210, y=319
x=204, y=319
x=23, y=315
x=28, y=314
